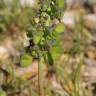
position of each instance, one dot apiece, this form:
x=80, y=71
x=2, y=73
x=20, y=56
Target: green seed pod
x=50, y=58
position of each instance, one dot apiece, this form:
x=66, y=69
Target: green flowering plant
x=43, y=26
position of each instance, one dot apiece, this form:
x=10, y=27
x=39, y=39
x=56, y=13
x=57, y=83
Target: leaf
x=2, y=28
x=26, y=60
x=56, y=52
x=60, y=3
x=59, y=28
x=38, y=37
x=2, y=93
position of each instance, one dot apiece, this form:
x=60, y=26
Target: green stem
x=41, y=78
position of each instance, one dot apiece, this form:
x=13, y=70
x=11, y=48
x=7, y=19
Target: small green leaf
x=60, y=3
x=59, y=28
x=38, y=37
x=26, y=60
x=2, y=93
x=56, y=52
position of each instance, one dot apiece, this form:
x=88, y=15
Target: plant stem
x=41, y=78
